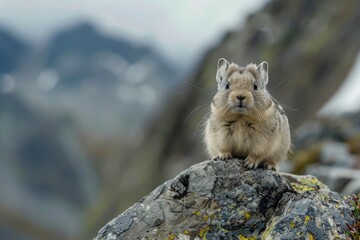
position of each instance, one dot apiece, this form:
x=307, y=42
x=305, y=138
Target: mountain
x=12, y=52
x=76, y=104
x=81, y=53
x=44, y=173
x=111, y=84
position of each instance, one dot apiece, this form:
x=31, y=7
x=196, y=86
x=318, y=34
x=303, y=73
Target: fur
x=245, y=121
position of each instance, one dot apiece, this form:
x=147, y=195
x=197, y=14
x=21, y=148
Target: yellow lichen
x=292, y=224
x=300, y=188
x=310, y=236
x=267, y=232
x=247, y=215
x=171, y=237
x=203, y=231
x=307, y=183
x=206, y=217
x=241, y=237
x=311, y=181
x=223, y=229
x=307, y=219
x=186, y=232
x=197, y=213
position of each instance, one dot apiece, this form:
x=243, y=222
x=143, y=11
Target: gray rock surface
x=329, y=149
x=223, y=200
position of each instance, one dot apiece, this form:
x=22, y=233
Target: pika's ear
x=222, y=66
x=262, y=69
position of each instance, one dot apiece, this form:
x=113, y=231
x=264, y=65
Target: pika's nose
x=240, y=97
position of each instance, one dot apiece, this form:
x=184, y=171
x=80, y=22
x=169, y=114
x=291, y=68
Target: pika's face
x=241, y=90
x=240, y=87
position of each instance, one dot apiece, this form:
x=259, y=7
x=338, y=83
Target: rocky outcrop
x=223, y=200
x=329, y=148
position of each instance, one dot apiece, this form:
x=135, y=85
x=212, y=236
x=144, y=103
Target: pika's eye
x=255, y=86
x=227, y=85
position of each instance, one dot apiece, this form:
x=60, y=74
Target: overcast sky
x=179, y=28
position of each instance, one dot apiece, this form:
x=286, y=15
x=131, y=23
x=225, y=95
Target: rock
x=336, y=154
x=223, y=200
x=330, y=129
x=337, y=178
x=353, y=187
x=329, y=149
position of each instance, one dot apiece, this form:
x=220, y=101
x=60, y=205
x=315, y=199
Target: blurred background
x=102, y=101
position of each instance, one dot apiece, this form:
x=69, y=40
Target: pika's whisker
x=193, y=111
x=201, y=122
x=193, y=85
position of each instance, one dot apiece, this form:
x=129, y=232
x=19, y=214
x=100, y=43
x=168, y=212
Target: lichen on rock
x=223, y=200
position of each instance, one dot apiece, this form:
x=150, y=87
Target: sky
x=179, y=29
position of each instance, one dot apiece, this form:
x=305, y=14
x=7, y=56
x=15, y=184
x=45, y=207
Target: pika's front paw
x=223, y=157
x=269, y=166
x=250, y=163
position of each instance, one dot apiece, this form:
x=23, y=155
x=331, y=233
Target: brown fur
x=256, y=129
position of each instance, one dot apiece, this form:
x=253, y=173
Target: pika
x=246, y=122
